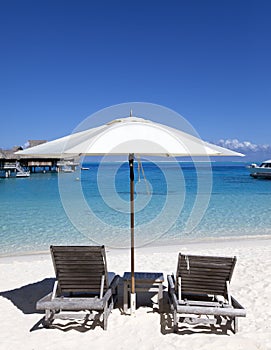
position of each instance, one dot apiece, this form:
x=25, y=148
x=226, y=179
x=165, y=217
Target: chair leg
x=160, y=297
x=49, y=315
x=105, y=323
x=235, y=325
x=175, y=321
x=106, y=315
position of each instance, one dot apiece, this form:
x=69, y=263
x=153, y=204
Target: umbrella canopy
x=129, y=136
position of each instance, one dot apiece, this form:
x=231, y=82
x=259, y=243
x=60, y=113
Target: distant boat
x=67, y=166
x=23, y=174
x=261, y=171
x=68, y=169
x=84, y=168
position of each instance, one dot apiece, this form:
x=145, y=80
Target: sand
x=24, y=279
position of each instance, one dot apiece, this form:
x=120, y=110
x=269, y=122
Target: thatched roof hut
x=8, y=154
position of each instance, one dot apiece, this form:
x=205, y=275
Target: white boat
x=67, y=166
x=13, y=170
x=67, y=169
x=23, y=174
x=263, y=170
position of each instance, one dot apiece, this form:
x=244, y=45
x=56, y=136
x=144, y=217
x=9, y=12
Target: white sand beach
x=24, y=279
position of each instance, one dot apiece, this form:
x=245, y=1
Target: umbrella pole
x=132, y=225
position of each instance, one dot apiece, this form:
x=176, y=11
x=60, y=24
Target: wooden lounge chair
x=202, y=288
x=81, y=285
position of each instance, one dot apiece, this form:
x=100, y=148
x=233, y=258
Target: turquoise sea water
x=92, y=206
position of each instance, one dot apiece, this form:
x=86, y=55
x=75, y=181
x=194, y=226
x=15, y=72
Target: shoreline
x=157, y=246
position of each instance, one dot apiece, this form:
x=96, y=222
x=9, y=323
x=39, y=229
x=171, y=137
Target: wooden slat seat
x=201, y=287
x=81, y=284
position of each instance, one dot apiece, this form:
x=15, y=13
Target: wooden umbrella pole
x=132, y=224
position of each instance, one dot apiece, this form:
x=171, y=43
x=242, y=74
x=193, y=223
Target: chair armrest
x=111, y=289
x=171, y=291
x=115, y=282
x=54, y=290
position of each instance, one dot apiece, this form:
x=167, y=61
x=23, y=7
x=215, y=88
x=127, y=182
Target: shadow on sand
x=26, y=297
x=166, y=323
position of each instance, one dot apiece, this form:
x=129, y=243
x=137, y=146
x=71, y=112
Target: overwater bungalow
x=13, y=165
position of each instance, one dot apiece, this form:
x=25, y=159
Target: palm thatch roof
x=9, y=153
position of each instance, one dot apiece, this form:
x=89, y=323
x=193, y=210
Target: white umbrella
x=129, y=136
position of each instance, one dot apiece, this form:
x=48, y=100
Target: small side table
x=144, y=282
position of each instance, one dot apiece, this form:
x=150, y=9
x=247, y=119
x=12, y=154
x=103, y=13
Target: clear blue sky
x=61, y=61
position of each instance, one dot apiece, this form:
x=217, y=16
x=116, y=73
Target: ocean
x=174, y=202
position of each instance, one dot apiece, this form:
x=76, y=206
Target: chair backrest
x=80, y=269
x=204, y=274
